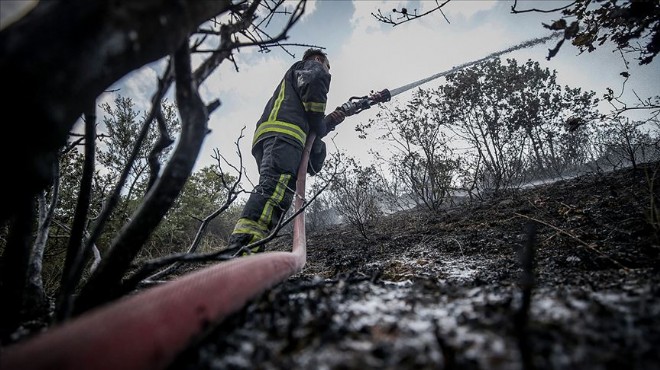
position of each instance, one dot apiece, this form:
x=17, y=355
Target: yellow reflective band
x=282, y=128
x=247, y=226
x=275, y=199
x=255, y=235
x=278, y=103
x=314, y=107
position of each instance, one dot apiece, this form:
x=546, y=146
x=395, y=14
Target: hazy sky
x=367, y=55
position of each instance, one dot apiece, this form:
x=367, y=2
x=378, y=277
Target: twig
x=163, y=142
x=232, y=194
x=521, y=317
x=589, y=246
x=77, y=249
x=406, y=16
x=515, y=11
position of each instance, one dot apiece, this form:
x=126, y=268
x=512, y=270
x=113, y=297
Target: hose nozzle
x=357, y=104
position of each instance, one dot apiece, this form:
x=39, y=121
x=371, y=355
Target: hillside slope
x=431, y=291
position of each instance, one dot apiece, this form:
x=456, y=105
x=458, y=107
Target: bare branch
x=104, y=284
x=95, y=249
x=406, y=16
x=591, y=247
x=222, y=255
x=619, y=106
x=163, y=142
x=232, y=195
x=163, y=85
x=77, y=254
x=36, y=305
x=516, y=11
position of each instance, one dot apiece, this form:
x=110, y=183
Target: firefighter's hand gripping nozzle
x=357, y=104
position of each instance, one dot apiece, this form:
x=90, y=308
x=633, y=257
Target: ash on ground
x=447, y=291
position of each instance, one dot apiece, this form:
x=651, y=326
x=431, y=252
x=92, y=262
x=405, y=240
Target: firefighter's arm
x=313, y=85
x=316, y=157
x=335, y=117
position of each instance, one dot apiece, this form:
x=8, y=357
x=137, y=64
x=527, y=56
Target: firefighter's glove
x=333, y=119
x=316, y=157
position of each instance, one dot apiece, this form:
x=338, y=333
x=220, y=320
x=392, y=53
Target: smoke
x=523, y=45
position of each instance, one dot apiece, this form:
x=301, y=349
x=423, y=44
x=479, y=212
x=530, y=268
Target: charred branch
x=163, y=142
x=104, y=283
x=14, y=268
x=526, y=283
x=77, y=254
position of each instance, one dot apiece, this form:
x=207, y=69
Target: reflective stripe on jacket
x=297, y=105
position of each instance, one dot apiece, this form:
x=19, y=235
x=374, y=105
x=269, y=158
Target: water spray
x=357, y=104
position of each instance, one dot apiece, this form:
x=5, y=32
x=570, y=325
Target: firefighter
x=296, y=108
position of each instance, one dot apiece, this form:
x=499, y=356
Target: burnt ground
x=433, y=291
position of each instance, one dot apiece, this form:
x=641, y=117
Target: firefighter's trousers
x=278, y=161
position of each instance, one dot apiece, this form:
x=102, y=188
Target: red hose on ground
x=147, y=330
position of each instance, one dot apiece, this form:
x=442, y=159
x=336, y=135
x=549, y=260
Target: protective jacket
x=297, y=105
